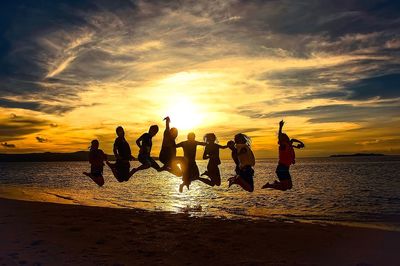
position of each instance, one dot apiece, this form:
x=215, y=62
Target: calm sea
x=358, y=190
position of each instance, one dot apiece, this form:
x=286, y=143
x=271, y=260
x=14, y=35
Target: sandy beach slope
x=37, y=233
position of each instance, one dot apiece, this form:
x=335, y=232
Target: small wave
x=61, y=196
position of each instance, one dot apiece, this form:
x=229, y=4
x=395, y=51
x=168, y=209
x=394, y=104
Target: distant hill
x=357, y=155
x=48, y=157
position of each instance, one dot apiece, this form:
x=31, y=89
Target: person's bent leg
x=243, y=184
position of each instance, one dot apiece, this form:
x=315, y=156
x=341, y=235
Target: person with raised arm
x=286, y=158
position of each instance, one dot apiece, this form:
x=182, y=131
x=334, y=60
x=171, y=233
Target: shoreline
x=50, y=233
x=32, y=194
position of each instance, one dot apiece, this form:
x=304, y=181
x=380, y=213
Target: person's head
x=120, y=131
x=173, y=132
x=191, y=136
x=210, y=138
x=231, y=144
x=94, y=144
x=242, y=139
x=153, y=130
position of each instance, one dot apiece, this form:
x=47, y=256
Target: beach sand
x=38, y=233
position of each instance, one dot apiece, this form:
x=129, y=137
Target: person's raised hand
x=167, y=119
x=281, y=123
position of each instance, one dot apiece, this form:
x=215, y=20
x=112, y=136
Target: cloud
x=35, y=106
x=90, y=65
x=333, y=113
x=16, y=127
x=7, y=145
x=41, y=139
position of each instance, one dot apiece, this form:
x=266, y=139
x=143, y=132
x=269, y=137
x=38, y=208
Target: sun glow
x=184, y=114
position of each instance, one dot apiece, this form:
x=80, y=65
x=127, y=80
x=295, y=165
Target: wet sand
x=38, y=233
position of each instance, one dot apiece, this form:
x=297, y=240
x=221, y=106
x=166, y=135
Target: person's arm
x=200, y=143
x=206, y=154
x=300, y=145
x=281, y=123
x=222, y=147
x=167, y=121
x=139, y=141
x=115, y=151
x=179, y=145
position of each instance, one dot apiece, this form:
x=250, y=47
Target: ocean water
x=356, y=190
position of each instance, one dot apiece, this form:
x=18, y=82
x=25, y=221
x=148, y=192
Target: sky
x=72, y=71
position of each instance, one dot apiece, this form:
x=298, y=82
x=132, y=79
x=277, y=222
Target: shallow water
x=362, y=190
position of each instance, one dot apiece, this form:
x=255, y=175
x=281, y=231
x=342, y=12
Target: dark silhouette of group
x=185, y=166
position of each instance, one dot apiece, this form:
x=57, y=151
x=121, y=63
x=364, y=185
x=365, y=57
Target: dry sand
x=37, y=233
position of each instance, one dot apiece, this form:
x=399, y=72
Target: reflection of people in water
x=145, y=143
x=246, y=163
x=211, y=152
x=96, y=160
x=123, y=155
x=286, y=158
x=189, y=153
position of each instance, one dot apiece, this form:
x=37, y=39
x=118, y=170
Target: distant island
x=48, y=157
x=357, y=155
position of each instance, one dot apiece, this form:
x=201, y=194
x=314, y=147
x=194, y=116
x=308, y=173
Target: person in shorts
x=286, y=158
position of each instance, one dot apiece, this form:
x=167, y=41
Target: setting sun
x=184, y=113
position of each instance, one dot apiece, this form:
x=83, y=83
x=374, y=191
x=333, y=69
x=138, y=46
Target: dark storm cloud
x=41, y=139
x=333, y=113
x=35, y=106
x=15, y=127
x=66, y=45
x=7, y=145
x=384, y=87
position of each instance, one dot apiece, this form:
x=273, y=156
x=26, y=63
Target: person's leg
x=243, y=184
x=282, y=185
x=98, y=179
x=245, y=179
x=145, y=164
x=217, y=176
x=113, y=168
x=154, y=164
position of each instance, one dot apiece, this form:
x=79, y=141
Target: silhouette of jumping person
x=168, y=149
x=211, y=152
x=189, y=153
x=123, y=155
x=246, y=163
x=145, y=143
x=96, y=160
x=234, y=154
x=286, y=158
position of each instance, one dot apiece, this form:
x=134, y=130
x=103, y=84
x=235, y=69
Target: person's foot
x=231, y=181
x=86, y=174
x=131, y=173
x=268, y=185
x=181, y=188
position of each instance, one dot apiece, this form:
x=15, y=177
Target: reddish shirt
x=286, y=154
